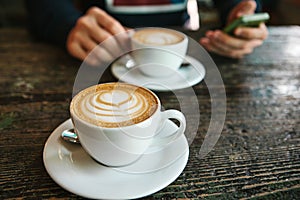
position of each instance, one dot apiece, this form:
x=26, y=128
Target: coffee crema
x=114, y=105
x=153, y=36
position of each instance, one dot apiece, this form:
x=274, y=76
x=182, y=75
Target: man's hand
x=244, y=39
x=93, y=28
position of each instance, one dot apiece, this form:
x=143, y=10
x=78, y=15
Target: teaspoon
x=70, y=135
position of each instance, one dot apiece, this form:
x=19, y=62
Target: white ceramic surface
x=185, y=77
x=74, y=170
x=123, y=145
x=158, y=60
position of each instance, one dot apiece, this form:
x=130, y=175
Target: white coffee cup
x=117, y=122
x=158, y=52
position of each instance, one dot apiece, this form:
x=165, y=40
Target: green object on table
x=247, y=20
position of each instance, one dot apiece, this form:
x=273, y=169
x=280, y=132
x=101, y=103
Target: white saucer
x=186, y=77
x=74, y=170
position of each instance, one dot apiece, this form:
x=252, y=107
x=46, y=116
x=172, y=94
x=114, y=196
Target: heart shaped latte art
x=116, y=106
x=113, y=98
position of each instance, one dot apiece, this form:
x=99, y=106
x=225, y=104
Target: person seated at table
x=62, y=23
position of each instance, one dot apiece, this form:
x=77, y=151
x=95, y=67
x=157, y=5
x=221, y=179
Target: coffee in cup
x=117, y=122
x=157, y=36
x=158, y=52
x=114, y=105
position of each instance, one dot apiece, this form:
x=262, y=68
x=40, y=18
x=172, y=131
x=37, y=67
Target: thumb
x=243, y=8
x=246, y=8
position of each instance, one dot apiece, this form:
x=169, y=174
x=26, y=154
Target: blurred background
x=283, y=12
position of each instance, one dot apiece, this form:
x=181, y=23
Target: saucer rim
x=180, y=163
x=172, y=86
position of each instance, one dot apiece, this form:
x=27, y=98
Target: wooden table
x=257, y=155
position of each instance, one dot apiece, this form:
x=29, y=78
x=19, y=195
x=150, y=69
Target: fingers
x=106, y=21
x=242, y=43
x=94, y=28
x=244, y=40
x=82, y=47
x=109, y=27
x=243, y=8
x=101, y=25
x=260, y=32
x=76, y=50
x=246, y=8
x=223, y=44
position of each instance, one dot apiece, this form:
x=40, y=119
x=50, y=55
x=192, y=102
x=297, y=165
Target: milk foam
x=114, y=106
x=157, y=37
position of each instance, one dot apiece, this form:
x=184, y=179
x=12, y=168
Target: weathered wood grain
x=256, y=157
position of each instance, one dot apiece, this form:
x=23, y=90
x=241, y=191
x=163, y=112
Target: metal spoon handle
x=70, y=136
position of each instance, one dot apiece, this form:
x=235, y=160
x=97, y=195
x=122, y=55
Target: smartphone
x=247, y=20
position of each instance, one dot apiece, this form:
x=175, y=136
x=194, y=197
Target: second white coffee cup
x=158, y=52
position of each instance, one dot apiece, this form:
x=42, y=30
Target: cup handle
x=171, y=114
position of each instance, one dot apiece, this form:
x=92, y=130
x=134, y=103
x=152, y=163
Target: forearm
x=52, y=20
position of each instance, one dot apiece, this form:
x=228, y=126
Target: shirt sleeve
x=225, y=6
x=51, y=21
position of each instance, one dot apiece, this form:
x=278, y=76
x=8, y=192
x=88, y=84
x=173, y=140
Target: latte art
x=157, y=36
x=114, y=104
